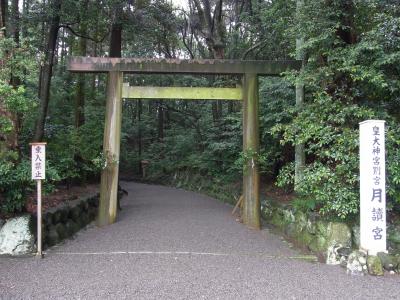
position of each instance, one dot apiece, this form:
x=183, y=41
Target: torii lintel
x=183, y=66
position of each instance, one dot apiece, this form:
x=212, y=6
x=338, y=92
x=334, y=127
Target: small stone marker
x=38, y=174
x=372, y=187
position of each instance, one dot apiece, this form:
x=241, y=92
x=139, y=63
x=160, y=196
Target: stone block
x=85, y=219
x=357, y=263
x=92, y=213
x=64, y=214
x=62, y=231
x=393, y=237
x=56, y=217
x=84, y=205
x=338, y=233
x=318, y=244
x=322, y=228
x=48, y=219
x=52, y=237
x=71, y=227
x=16, y=236
x=389, y=262
x=374, y=265
x=301, y=221
x=337, y=254
x=75, y=213
x=291, y=230
x=305, y=238
x=355, y=230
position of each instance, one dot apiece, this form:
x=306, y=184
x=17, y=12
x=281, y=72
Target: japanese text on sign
x=372, y=186
x=38, y=161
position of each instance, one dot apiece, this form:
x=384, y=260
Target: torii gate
x=116, y=90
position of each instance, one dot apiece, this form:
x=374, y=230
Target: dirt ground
x=60, y=195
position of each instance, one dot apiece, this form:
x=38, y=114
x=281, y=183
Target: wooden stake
x=251, y=211
x=39, y=219
x=239, y=202
x=111, y=146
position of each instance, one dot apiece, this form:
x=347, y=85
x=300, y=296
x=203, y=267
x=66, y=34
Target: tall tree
x=47, y=69
x=80, y=88
x=300, y=156
x=211, y=27
x=3, y=13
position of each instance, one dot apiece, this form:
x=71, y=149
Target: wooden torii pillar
x=116, y=67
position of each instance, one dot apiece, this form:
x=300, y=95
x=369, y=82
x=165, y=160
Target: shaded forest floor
x=60, y=195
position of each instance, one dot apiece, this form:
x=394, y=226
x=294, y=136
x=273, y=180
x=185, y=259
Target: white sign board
x=372, y=187
x=38, y=160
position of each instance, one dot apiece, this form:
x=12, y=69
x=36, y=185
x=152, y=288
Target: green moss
x=318, y=244
x=374, y=265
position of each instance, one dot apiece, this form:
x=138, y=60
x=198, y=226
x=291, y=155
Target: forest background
x=351, y=55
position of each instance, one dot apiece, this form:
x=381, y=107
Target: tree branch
x=84, y=36
x=252, y=48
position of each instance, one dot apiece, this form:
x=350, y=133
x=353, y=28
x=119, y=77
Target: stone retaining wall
x=18, y=235
x=335, y=242
x=65, y=220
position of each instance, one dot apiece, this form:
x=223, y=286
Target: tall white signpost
x=38, y=151
x=372, y=187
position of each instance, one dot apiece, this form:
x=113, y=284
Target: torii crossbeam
x=116, y=67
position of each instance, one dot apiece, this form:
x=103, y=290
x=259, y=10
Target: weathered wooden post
x=251, y=144
x=111, y=145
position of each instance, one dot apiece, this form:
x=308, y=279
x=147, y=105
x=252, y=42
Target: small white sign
x=38, y=160
x=372, y=187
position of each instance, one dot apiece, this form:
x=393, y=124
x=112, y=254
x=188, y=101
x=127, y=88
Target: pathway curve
x=173, y=244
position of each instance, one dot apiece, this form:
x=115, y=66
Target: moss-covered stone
x=355, y=230
x=56, y=217
x=300, y=221
x=318, y=244
x=52, y=237
x=374, y=265
x=62, y=231
x=48, y=218
x=84, y=205
x=305, y=238
x=311, y=227
x=356, y=263
x=92, y=212
x=393, y=236
x=322, y=228
x=291, y=230
x=389, y=262
x=85, y=219
x=277, y=220
x=71, y=227
x=64, y=214
x=288, y=216
x=75, y=213
x=338, y=233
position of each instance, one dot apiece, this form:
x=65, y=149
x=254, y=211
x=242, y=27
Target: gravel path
x=173, y=244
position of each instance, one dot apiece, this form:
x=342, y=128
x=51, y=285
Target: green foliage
x=350, y=77
x=16, y=183
x=351, y=74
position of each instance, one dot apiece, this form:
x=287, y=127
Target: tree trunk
x=80, y=88
x=47, y=69
x=300, y=156
x=15, y=28
x=3, y=16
